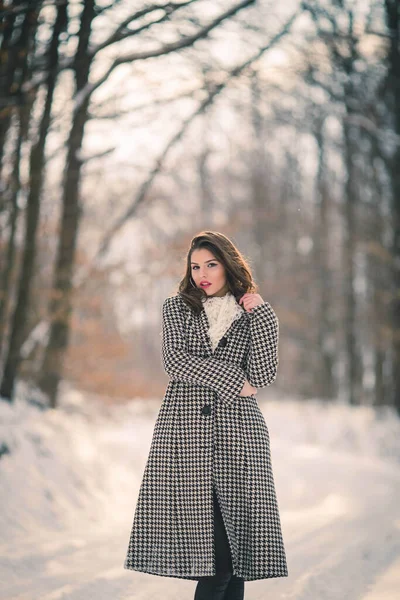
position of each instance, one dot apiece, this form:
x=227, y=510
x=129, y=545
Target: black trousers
x=223, y=585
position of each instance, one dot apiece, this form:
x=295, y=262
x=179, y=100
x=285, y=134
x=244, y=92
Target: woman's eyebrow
x=206, y=261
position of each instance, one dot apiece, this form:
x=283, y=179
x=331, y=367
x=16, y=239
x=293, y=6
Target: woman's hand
x=250, y=300
x=247, y=389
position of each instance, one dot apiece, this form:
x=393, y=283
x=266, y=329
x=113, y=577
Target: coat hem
x=199, y=577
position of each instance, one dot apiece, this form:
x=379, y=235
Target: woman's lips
x=205, y=284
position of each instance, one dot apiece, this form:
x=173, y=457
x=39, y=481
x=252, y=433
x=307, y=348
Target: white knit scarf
x=221, y=312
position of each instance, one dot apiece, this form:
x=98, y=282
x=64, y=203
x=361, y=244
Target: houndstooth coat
x=207, y=435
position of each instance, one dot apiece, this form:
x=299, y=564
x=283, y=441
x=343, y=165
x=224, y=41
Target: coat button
x=206, y=410
x=223, y=342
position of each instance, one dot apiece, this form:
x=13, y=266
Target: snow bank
x=81, y=465
x=60, y=468
x=360, y=431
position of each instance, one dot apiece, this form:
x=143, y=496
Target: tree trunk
x=36, y=172
x=260, y=207
x=393, y=103
x=20, y=312
x=61, y=303
x=323, y=379
x=352, y=355
x=379, y=274
x=16, y=49
x=10, y=254
x=207, y=198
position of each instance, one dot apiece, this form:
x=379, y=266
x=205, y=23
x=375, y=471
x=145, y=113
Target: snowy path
x=340, y=519
x=342, y=543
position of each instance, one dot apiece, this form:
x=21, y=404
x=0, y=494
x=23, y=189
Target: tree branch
x=138, y=107
x=184, y=42
x=105, y=243
x=24, y=8
x=121, y=33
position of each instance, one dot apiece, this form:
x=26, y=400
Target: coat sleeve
x=262, y=358
x=226, y=379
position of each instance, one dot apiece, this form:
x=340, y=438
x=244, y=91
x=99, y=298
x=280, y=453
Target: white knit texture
x=221, y=312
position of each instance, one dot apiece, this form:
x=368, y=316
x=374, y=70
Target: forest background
x=127, y=127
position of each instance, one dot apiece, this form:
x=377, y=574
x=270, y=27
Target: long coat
x=207, y=435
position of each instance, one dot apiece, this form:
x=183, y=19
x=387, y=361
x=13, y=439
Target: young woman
x=207, y=508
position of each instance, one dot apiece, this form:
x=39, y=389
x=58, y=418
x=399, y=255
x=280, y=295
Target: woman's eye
x=209, y=264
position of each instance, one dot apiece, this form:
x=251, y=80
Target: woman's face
x=206, y=268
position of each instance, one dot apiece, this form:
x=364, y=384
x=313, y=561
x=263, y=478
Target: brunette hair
x=238, y=274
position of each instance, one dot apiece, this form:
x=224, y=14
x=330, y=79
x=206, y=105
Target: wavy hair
x=237, y=271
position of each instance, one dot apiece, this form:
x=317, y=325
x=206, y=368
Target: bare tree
x=392, y=96
x=335, y=27
x=36, y=171
x=324, y=378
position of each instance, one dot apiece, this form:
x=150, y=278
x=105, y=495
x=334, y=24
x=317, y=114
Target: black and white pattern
x=206, y=434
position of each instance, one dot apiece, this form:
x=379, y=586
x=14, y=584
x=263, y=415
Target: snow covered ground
x=69, y=481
